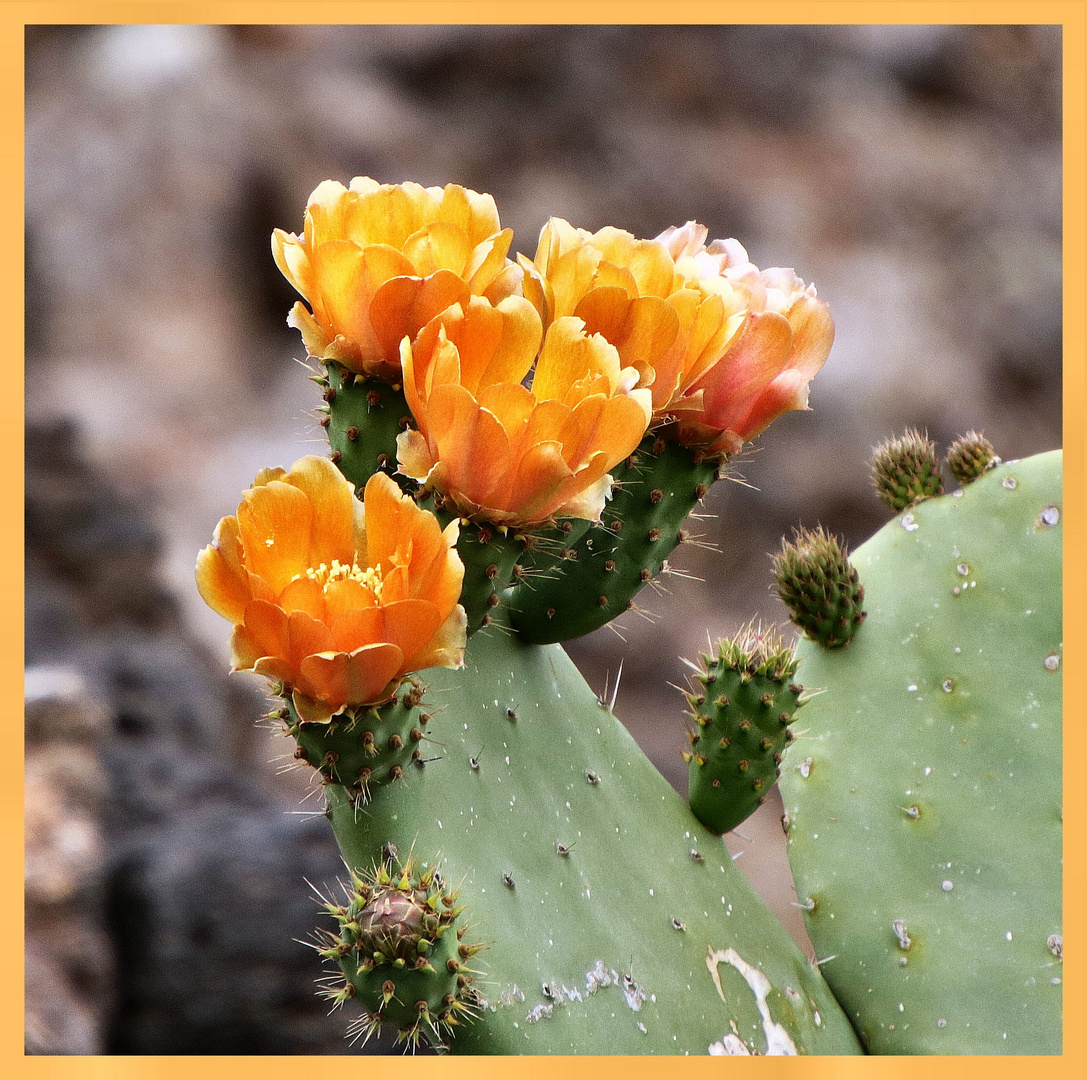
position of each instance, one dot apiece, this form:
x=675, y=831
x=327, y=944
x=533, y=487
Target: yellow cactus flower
x=377, y=261
x=765, y=371
x=662, y=318
x=334, y=599
x=504, y=453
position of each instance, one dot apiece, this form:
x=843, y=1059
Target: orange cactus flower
x=377, y=261
x=784, y=340
x=508, y=454
x=662, y=318
x=334, y=599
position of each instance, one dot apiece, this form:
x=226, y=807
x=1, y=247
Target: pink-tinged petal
x=759, y=355
x=446, y=647
x=402, y=306
x=787, y=393
x=813, y=335
x=275, y=522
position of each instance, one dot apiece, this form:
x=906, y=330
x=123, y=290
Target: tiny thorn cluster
x=366, y=748
x=906, y=469
x=820, y=587
x=401, y=955
x=970, y=456
x=741, y=712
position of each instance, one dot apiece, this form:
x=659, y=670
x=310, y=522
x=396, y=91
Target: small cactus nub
x=971, y=455
x=905, y=470
x=816, y=582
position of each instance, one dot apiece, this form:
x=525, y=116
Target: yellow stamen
x=369, y=577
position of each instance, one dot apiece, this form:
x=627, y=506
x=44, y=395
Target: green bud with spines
x=820, y=587
x=742, y=726
x=970, y=456
x=397, y=958
x=906, y=469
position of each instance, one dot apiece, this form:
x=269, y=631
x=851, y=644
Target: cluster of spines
x=906, y=470
x=401, y=956
x=970, y=456
x=741, y=716
x=581, y=576
x=820, y=587
x=364, y=748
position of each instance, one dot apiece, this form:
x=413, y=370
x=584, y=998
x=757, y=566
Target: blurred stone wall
x=912, y=172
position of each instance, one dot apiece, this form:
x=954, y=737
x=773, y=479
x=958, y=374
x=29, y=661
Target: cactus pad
x=741, y=714
x=923, y=799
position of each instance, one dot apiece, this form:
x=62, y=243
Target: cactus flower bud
x=816, y=582
x=906, y=470
x=971, y=455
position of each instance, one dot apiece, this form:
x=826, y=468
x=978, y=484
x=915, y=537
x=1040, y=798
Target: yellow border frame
x=1071, y=14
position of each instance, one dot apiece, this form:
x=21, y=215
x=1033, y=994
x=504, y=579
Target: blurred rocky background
x=912, y=172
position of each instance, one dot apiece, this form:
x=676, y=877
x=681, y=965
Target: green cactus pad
x=611, y=915
x=403, y=959
x=363, y=419
x=741, y=716
x=575, y=584
x=366, y=748
x=923, y=796
x=906, y=470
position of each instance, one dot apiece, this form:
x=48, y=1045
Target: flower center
x=369, y=577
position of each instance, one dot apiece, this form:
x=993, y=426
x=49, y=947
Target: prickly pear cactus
x=923, y=793
x=600, y=895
